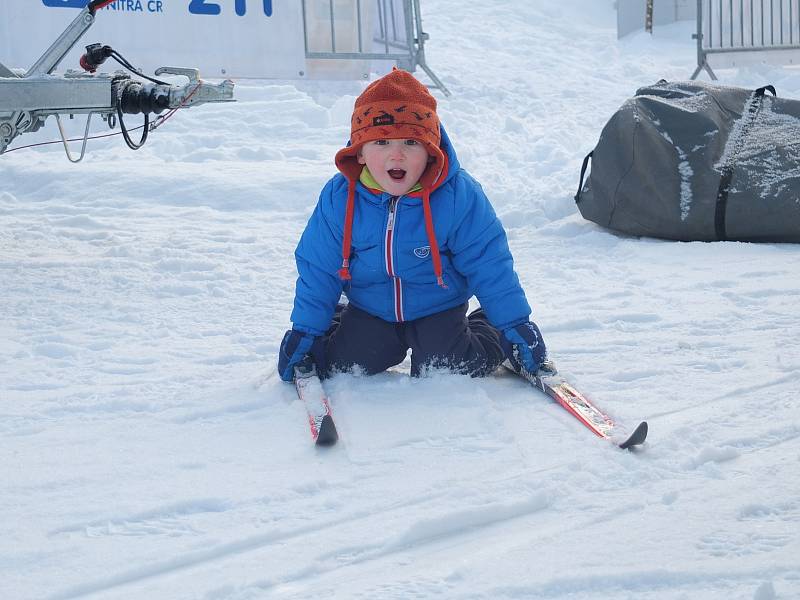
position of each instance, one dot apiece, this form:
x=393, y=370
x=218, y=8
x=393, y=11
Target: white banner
x=223, y=38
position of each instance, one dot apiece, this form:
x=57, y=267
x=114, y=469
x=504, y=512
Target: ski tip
x=328, y=435
x=637, y=438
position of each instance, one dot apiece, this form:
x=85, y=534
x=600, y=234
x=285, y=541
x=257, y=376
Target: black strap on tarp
x=727, y=169
x=583, y=173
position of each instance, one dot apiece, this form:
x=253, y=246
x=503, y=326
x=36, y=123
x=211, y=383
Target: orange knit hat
x=396, y=106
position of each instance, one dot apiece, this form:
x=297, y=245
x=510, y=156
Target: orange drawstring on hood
x=396, y=106
x=437, y=260
x=347, y=239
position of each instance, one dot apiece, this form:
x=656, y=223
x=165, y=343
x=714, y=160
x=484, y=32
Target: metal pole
x=741, y=22
x=781, y=21
x=59, y=49
x=710, y=22
x=333, y=27
x=699, y=37
x=381, y=32
x=394, y=20
x=384, y=23
x=358, y=25
x=771, y=23
x=305, y=26
x=418, y=37
x=699, y=33
x=414, y=39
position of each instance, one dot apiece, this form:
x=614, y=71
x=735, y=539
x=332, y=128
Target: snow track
x=148, y=450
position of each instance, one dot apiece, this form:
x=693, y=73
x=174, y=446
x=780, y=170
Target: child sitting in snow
x=409, y=237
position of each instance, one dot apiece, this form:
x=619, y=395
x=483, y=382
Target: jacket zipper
x=397, y=286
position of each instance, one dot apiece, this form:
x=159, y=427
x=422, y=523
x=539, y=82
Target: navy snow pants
x=448, y=340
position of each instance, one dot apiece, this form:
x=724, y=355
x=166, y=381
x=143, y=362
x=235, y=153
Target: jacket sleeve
x=318, y=256
x=480, y=253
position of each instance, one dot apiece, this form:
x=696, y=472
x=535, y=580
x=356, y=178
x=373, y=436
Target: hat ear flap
x=348, y=163
x=437, y=165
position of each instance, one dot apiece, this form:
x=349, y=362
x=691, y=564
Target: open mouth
x=396, y=173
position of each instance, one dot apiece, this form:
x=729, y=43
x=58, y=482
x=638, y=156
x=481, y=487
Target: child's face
x=396, y=165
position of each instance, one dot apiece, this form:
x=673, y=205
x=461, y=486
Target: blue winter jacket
x=395, y=281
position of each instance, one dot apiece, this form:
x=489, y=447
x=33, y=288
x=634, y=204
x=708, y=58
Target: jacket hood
x=440, y=171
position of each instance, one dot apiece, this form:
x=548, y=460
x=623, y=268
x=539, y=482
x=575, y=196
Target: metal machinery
x=28, y=98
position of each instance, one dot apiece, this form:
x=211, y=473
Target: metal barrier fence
x=735, y=26
x=368, y=30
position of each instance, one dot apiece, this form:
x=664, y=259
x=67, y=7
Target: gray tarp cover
x=694, y=161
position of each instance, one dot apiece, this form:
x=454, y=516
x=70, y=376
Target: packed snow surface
x=150, y=451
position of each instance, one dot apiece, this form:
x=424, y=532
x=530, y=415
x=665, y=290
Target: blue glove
x=524, y=347
x=296, y=345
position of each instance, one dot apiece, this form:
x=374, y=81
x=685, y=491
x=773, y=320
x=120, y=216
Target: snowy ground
x=149, y=450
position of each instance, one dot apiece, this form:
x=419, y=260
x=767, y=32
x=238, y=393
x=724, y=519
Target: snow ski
x=310, y=391
x=551, y=383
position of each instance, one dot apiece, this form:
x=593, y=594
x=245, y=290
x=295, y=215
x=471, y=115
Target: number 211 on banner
x=207, y=7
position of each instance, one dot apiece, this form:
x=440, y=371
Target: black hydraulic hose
x=145, y=130
x=124, y=62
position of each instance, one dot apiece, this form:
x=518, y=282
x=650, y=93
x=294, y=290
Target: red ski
x=318, y=406
x=551, y=383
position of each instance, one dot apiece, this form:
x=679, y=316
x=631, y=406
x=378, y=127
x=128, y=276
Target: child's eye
x=381, y=142
x=411, y=142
